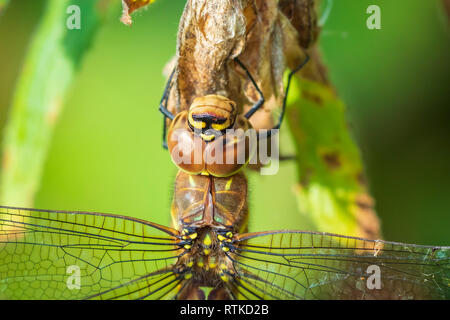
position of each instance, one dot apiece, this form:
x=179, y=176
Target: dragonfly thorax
x=206, y=262
x=205, y=201
x=208, y=211
x=207, y=245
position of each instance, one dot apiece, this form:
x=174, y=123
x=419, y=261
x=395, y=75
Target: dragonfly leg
x=283, y=108
x=261, y=100
x=164, y=142
x=163, y=106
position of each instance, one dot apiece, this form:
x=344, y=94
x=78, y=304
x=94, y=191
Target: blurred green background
x=106, y=152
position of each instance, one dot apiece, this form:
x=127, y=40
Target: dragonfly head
x=210, y=116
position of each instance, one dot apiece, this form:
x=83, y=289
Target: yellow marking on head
x=187, y=246
x=199, y=124
x=196, y=124
x=228, y=184
x=207, y=240
x=190, y=264
x=206, y=251
x=224, y=278
x=188, y=276
x=207, y=137
x=221, y=126
x=185, y=231
x=200, y=264
x=220, y=237
x=229, y=234
x=184, y=237
x=191, y=181
x=193, y=236
x=226, y=249
x=223, y=266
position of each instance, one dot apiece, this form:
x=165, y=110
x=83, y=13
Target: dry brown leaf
x=303, y=17
x=211, y=33
x=259, y=32
x=129, y=6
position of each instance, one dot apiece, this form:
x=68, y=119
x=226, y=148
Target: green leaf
x=50, y=66
x=331, y=188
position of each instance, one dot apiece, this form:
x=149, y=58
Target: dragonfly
x=208, y=252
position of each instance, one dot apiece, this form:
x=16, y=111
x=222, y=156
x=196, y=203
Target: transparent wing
x=308, y=265
x=73, y=255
